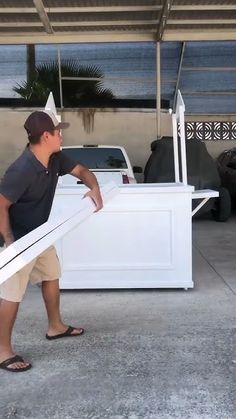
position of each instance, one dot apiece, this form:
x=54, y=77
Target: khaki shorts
x=46, y=267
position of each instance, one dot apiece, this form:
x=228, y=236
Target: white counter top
x=144, y=188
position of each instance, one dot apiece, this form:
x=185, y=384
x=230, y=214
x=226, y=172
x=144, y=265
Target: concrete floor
x=146, y=354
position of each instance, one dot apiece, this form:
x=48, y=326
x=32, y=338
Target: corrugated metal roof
x=53, y=21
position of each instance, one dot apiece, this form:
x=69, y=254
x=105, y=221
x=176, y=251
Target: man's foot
x=69, y=332
x=15, y=364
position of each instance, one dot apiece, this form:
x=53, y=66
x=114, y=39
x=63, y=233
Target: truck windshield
x=97, y=158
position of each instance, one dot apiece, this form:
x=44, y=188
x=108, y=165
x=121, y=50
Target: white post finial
x=50, y=106
x=178, y=117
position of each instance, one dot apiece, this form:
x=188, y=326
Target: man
x=26, y=196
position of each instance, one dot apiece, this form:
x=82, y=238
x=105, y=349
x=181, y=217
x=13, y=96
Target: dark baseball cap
x=40, y=121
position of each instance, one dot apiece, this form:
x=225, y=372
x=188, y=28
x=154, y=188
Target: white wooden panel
x=24, y=250
x=142, y=239
x=119, y=244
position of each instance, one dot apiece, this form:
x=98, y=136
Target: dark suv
x=202, y=173
x=226, y=162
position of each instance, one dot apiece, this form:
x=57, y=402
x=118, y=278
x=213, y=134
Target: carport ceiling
x=62, y=21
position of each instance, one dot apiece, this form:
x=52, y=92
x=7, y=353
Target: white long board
x=24, y=250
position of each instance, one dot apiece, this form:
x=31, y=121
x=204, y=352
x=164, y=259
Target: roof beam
x=43, y=16
x=78, y=9
x=199, y=34
x=117, y=23
x=9, y=10
x=79, y=24
x=163, y=18
x=220, y=21
x=101, y=9
x=20, y=25
x=106, y=23
x=198, y=7
x=77, y=37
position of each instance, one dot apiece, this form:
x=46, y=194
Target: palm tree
x=75, y=92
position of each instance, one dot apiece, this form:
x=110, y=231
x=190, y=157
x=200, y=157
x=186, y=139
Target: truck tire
x=222, y=209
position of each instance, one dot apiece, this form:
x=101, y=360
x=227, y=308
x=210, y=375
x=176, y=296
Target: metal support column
x=59, y=75
x=158, y=89
x=178, y=76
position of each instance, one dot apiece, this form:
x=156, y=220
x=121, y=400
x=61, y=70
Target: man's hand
x=9, y=240
x=89, y=179
x=95, y=195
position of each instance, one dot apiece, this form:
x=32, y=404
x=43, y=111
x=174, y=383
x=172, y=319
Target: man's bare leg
x=51, y=296
x=8, y=313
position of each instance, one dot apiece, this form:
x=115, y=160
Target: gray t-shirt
x=31, y=188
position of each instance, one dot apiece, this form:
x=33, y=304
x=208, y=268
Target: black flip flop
x=16, y=358
x=66, y=334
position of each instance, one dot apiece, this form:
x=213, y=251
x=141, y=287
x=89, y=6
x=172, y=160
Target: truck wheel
x=222, y=209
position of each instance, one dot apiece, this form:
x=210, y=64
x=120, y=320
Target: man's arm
x=5, y=226
x=89, y=179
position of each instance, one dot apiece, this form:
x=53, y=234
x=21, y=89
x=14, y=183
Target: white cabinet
x=141, y=239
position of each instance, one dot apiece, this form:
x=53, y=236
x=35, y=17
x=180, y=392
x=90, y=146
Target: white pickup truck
x=105, y=161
